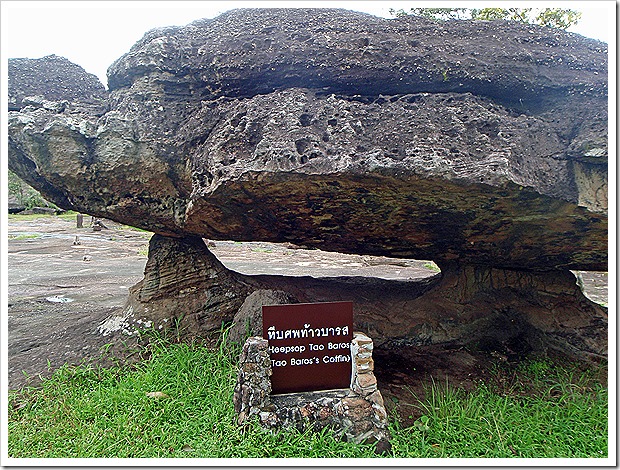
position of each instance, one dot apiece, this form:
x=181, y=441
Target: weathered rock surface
x=184, y=272
x=14, y=205
x=480, y=145
x=481, y=142
x=511, y=311
x=248, y=320
x=53, y=79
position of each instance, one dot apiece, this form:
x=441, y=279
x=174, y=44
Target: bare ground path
x=59, y=292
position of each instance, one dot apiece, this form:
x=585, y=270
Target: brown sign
x=309, y=345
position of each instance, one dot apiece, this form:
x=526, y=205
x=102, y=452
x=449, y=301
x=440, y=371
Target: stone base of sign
x=357, y=413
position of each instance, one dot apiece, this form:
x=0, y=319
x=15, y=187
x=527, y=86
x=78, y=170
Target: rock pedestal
x=480, y=307
x=357, y=413
x=480, y=145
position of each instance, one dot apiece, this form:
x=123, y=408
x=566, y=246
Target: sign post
x=309, y=345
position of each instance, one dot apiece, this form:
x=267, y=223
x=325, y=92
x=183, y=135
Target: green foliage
x=432, y=267
x=557, y=18
x=552, y=17
x=512, y=14
x=14, y=184
x=25, y=194
x=178, y=403
x=442, y=14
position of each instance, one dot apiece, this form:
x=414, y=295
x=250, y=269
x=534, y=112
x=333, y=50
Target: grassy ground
x=558, y=415
x=178, y=403
x=68, y=215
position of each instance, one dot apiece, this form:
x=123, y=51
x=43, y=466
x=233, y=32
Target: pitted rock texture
x=256, y=51
x=51, y=78
x=481, y=143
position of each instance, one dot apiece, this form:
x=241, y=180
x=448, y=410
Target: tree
x=440, y=14
x=552, y=17
x=25, y=194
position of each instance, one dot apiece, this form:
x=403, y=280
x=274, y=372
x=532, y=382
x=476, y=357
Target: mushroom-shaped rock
x=472, y=143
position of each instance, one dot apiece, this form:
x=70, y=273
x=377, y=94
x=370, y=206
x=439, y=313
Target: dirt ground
x=61, y=289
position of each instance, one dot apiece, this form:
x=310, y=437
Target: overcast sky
x=94, y=34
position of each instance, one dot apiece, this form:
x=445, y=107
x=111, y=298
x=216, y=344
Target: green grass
x=25, y=217
x=89, y=411
x=561, y=420
x=25, y=236
x=69, y=215
x=93, y=412
x=262, y=250
x=432, y=267
x=136, y=229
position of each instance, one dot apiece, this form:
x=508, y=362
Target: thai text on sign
x=309, y=345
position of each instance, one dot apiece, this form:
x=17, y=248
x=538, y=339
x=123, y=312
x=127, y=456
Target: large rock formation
x=51, y=78
x=480, y=145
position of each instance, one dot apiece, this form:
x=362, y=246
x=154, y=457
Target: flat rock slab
x=280, y=259
x=59, y=293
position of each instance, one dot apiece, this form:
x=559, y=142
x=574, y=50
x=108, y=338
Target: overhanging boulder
x=480, y=145
x=340, y=130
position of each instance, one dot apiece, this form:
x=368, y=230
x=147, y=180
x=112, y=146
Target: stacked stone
x=369, y=399
x=253, y=386
x=316, y=409
x=357, y=414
